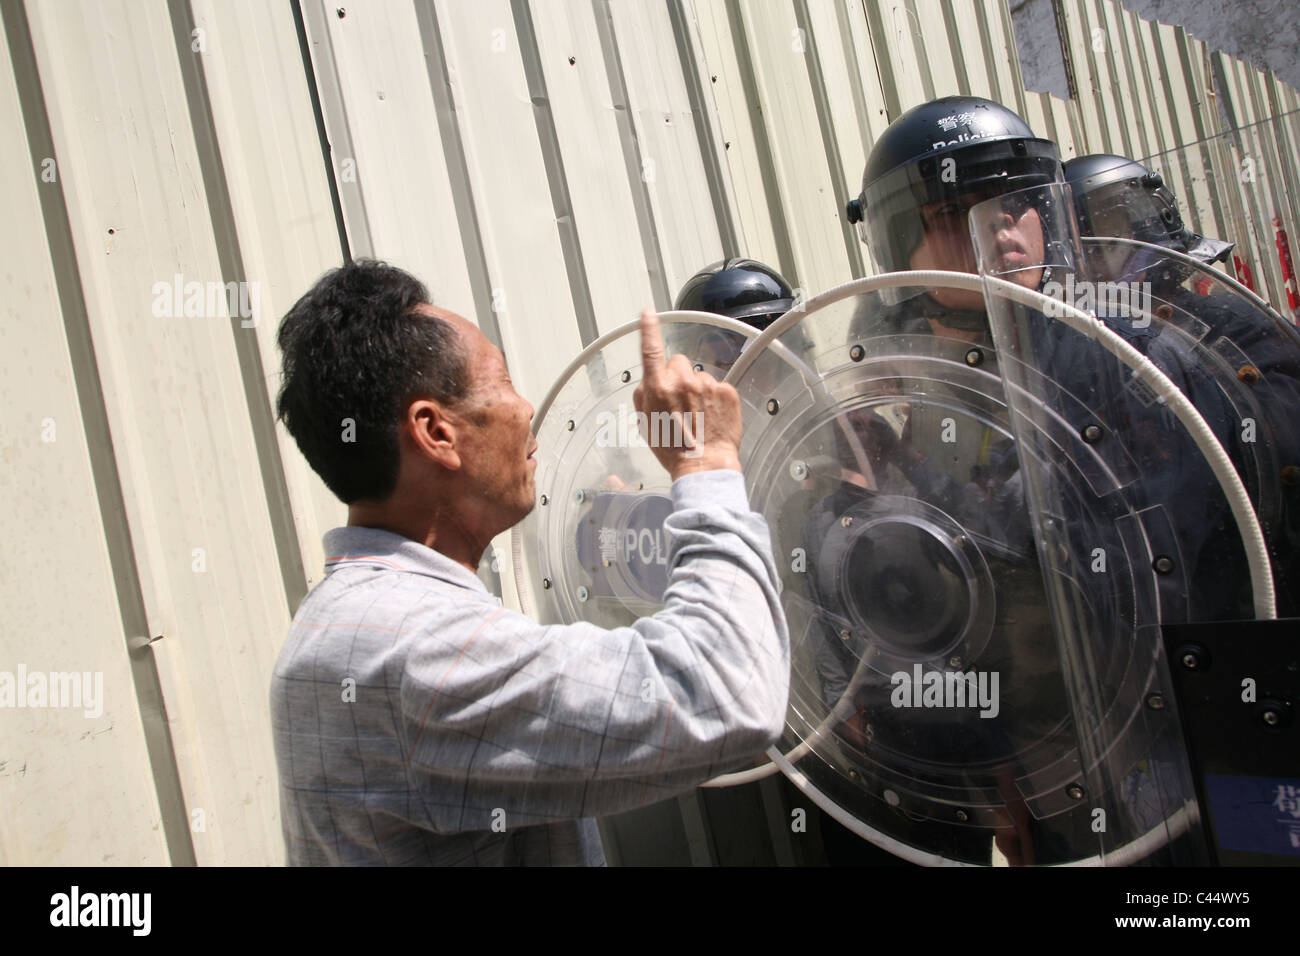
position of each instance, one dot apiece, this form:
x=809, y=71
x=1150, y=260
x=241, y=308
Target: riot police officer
x=1119, y=198
x=923, y=176
x=738, y=288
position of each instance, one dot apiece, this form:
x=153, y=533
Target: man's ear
x=433, y=433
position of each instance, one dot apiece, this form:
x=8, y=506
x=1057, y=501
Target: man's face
x=946, y=245
x=1108, y=261
x=494, y=437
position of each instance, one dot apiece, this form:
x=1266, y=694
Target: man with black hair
x=416, y=720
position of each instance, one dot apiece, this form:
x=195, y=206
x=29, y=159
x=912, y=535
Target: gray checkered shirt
x=417, y=721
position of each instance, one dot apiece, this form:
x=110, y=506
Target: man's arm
x=560, y=722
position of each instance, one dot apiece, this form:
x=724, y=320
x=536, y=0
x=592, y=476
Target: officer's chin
x=957, y=299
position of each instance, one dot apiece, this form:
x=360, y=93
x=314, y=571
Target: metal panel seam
x=99, y=445
x=714, y=170
x=766, y=163
x=462, y=190
x=553, y=160
x=293, y=574
x=304, y=45
x=327, y=96
x=628, y=139
x=830, y=141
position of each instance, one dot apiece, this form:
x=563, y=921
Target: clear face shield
x=936, y=236
x=1126, y=209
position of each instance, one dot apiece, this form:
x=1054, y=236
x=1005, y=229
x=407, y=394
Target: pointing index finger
x=652, y=346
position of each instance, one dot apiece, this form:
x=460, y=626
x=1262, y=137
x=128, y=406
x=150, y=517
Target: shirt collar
x=372, y=547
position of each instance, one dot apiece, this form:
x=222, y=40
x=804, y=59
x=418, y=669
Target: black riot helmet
x=740, y=289
x=1117, y=196
x=957, y=146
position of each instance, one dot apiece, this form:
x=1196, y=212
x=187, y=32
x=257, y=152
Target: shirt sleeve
x=513, y=723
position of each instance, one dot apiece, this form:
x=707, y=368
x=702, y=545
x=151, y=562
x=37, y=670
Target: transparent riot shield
x=964, y=690
x=928, y=708
x=1126, y=416
x=1237, y=359
x=594, y=548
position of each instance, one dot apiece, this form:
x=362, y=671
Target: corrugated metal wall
x=546, y=167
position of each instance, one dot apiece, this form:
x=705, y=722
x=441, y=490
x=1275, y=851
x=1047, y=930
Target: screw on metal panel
x=846, y=521
x=1191, y=661
x=1163, y=564
x=579, y=496
x=1091, y=434
x=626, y=376
x=891, y=798
x=1075, y=791
x=798, y=470
x=955, y=662
x=572, y=60
x=974, y=358
x=1271, y=717
x=773, y=406
x=546, y=584
x=582, y=593
x=341, y=12
x=962, y=816
x=960, y=541
x=844, y=635
x=857, y=353
x=853, y=775
x=1248, y=374
x=569, y=424
x=698, y=367
x=545, y=499
x=1156, y=701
